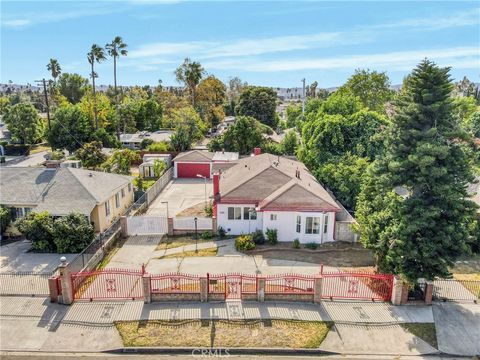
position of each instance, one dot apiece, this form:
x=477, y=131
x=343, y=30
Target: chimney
x=216, y=184
x=257, y=151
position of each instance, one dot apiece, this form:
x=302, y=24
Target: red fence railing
x=289, y=284
x=359, y=286
x=175, y=284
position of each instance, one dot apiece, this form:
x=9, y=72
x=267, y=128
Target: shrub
x=38, y=228
x=146, y=143
x=206, y=235
x=296, y=244
x=5, y=218
x=221, y=232
x=208, y=208
x=272, y=236
x=311, y=245
x=161, y=147
x=258, y=237
x=244, y=242
x=72, y=233
x=57, y=155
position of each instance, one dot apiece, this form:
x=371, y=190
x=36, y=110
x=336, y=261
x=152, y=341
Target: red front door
x=190, y=170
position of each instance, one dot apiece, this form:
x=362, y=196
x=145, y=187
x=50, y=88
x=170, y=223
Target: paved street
x=30, y=160
x=180, y=195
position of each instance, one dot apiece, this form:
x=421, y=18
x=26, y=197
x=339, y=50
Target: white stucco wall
x=285, y=224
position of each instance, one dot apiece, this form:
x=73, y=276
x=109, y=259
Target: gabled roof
x=194, y=156
x=58, y=191
x=271, y=182
x=225, y=156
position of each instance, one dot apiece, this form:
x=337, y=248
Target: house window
x=273, y=217
x=312, y=225
x=129, y=187
x=27, y=210
x=247, y=212
x=234, y=213
x=123, y=193
x=107, y=208
x=299, y=223
x=325, y=225
x=18, y=213
x=117, y=200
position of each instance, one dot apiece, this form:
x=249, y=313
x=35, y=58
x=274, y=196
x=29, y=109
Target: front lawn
x=425, y=331
x=224, y=333
x=170, y=242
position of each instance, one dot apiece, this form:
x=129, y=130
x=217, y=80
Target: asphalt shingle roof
x=194, y=156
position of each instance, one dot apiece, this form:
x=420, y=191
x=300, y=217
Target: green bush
x=206, y=235
x=244, y=242
x=160, y=147
x=146, y=143
x=57, y=155
x=72, y=233
x=221, y=232
x=208, y=209
x=296, y=244
x=38, y=228
x=272, y=236
x=258, y=237
x=311, y=245
x=5, y=218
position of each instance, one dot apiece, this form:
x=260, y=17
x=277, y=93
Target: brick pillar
x=53, y=289
x=428, y=292
x=170, y=226
x=204, y=289
x=214, y=226
x=65, y=282
x=124, y=226
x=261, y=289
x=404, y=298
x=147, y=289
x=397, y=291
x=317, y=290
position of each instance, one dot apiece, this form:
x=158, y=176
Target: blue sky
x=264, y=43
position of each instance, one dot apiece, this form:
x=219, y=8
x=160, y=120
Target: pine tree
x=420, y=233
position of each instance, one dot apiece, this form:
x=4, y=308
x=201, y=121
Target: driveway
x=180, y=195
x=30, y=160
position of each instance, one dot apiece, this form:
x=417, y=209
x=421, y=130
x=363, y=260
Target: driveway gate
x=361, y=286
x=147, y=225
x=107, y=284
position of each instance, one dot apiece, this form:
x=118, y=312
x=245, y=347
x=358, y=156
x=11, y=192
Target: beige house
x=101, y=197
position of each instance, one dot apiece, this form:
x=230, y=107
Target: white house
x=273, y=192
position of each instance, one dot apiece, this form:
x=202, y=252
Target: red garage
x=193, y=163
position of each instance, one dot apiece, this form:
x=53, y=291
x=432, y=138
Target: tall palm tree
x=116, y=49
x=96, y=54
x=54, y=67
x=190, y=73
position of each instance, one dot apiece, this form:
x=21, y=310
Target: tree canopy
x=24, y=123
x=259, y=103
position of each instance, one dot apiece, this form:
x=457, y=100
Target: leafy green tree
x=4, y=104
x=181, y=140
x=54, y=67
x=101, y=104
x=121, y=161
x=420, y=234
x=38, y=228
x=70, y=128
x=294, y=112
x=211, y=96
x=289, y=143
x=159, y=167
x=259, y=103
x=5, y=218
x=95, y=55
x=243, y=136
x=371, y=87
x=24, y=123
x=187, y=117
x=72, y=233
x=148, y=115
x=160, y=147
x=472, y=124
x=91, y=154
x=108, y=140
x=341, y=102
x=72, y=86
x=190, y=73
x=464, y=107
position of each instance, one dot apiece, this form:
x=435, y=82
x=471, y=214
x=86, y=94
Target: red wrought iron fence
x=360, y=286
x=289, y=284
x=108, y=284
x=174, y=283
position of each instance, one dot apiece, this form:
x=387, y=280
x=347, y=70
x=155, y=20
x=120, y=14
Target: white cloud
x=16, y=22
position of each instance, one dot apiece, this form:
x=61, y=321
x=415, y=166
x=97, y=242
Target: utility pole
x=46, y=99
x=303, y=97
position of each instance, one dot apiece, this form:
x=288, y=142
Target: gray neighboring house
x=132, y=141
x=101, y=197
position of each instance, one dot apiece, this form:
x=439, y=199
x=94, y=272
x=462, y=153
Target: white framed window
x=234, y=213
x=117, y=200
x=273, y=217
x=107, y=208
x=123, y=193
x=325, y=225
x=299, y=224
x=312, y=225
x=247, y=213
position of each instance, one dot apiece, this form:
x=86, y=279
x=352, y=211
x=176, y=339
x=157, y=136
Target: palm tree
x=115, y=49
x=190, y=73
x=54, y=67
x=96, y=54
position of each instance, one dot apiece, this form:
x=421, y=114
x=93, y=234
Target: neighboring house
x=273, y=192
x=101, y=197
x=198, y=162
x=474, y=189
x=132, y=141
x=145, y=169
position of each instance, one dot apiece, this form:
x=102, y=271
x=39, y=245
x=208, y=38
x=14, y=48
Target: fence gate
x=359, y=286
x=107, y=284
x=147, y=225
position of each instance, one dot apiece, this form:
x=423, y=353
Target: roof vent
x=90, y=174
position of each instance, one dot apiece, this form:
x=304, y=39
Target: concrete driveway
x=180, y=195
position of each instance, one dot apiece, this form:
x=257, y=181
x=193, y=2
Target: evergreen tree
x=420, y=233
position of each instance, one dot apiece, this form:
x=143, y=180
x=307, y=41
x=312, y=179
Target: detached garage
x=191, y=163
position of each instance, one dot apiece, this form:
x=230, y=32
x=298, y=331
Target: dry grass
x=174, y=242
x=223, y=333
x=195, y=210
x=425, y=331
x=212, y=251
x=467, y=265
